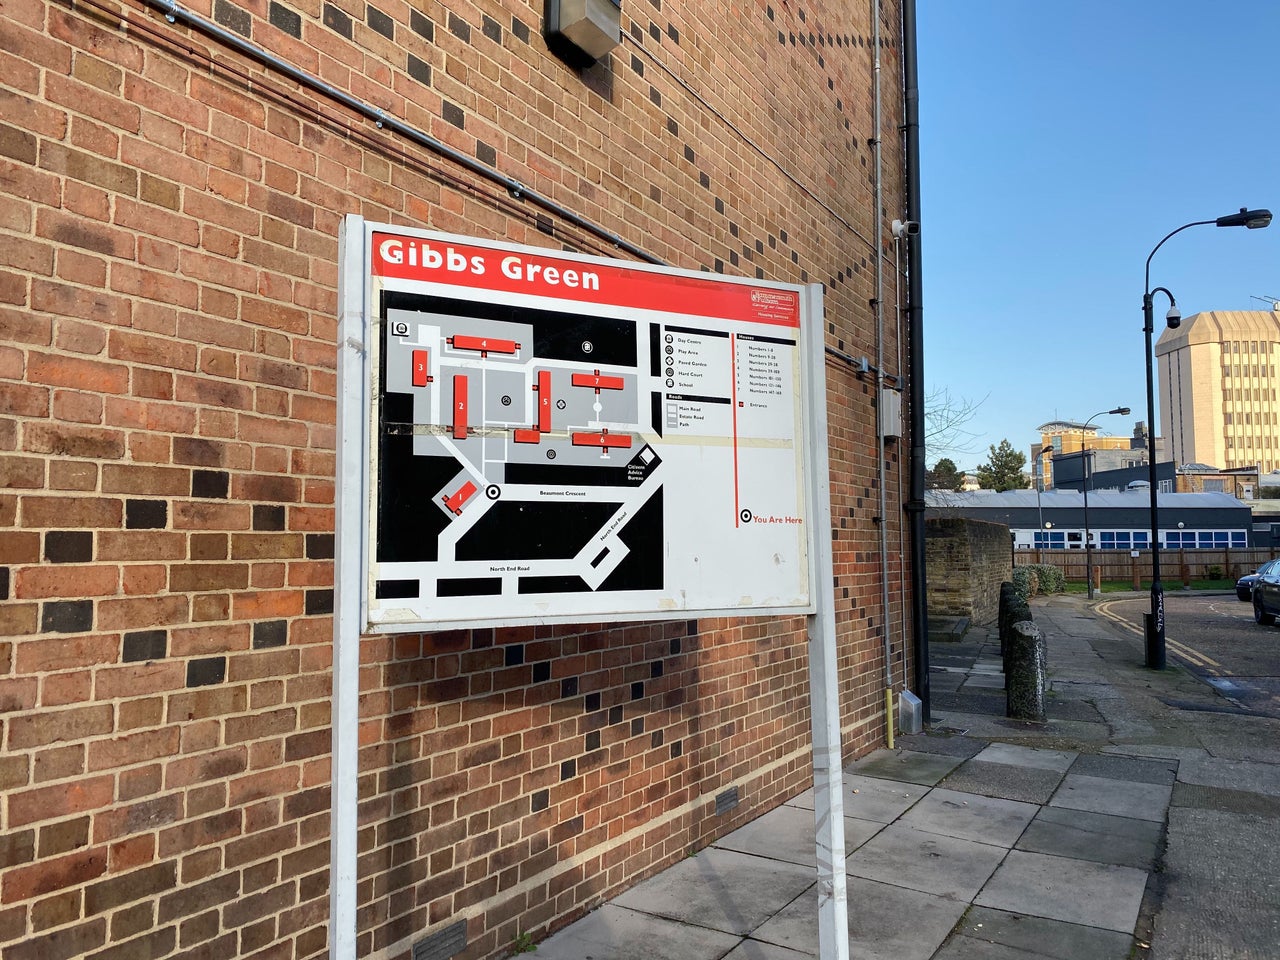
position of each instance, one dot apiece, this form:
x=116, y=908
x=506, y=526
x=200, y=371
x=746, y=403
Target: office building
x=1217, y=386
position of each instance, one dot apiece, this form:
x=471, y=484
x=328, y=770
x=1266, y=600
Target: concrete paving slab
x=947, y=746
x=1016, y=756
x=985, y=681
x=1083, y=690
x=907, y=766
x=1142, y=801
x=995, y=934
x=1233, y=774
x=928, y=862
x=720, y=889
x=1075, y=891
x=1098, y=837
x=1029, y=784
x=787, y=833
x=1220, y=900
x=615, y=933
x=970, y=817
x=885, y=922
x=1126, y=768
x=867, y=798
x=758, y=950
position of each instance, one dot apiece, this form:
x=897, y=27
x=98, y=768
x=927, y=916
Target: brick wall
x=965, y=563
x=168, y=247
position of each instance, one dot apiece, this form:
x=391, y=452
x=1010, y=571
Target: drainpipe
x=915, y=380
x=882, y=531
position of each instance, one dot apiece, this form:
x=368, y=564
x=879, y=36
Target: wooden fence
x=1176, y=565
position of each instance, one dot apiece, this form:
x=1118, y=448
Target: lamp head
x=1121, y=411
x=1253, y=219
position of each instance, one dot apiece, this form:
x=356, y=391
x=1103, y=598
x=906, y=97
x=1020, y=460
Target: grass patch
x=1126, y=586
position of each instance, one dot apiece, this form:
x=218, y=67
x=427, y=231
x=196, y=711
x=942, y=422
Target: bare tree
x=945, y=417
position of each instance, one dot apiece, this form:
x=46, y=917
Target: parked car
x=1266, y=594
x=1244, y=586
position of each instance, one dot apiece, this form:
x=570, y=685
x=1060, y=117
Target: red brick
x=72, y=512
x=142, y=613
x=204, y=515
x=215, y=393
x=63, y=689
x=66, y=580
x=128, y=750
x=88, y=272
x=155, y=545
x=267, y=605
x=65, y=653
x=17, y=619
x=154, y=482
x=73, y=475
x=19, y=546
x=52, y=726
x=152, y=351
x=49, y=876
x=20, y=400
x=18, y=694
x=61, y=800
x=130, y=853
x=77, y=407
x=206, y=641
x=77, y=372
x=71, y=943
x=21, y=473
x=203, y=577
x=148, y=448
x=140, y=680
x=72, y=300
x=139, y=580
x=69, y=440
x=152, y=384
x=128, y=819
x=206, y=703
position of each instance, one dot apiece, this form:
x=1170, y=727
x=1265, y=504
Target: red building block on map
x=603, y=439
x=454, y=501
x=597, y=381
x=459, y=407
x=485, y=345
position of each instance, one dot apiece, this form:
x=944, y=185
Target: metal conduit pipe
x=172, y=12
x=882, y=531
x=915, y=382
x=902, y=527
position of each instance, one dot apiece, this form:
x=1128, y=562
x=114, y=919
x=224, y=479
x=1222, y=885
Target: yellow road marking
x=1182, y=649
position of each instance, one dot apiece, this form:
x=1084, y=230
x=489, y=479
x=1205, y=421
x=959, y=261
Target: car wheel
x=1261, y=616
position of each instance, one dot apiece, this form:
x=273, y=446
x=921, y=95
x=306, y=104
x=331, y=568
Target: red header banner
x=584, y=281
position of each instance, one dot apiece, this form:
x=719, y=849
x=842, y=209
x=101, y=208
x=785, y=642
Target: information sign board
x=554, y=437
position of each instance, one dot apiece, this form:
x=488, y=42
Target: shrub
x=1025, y=581
x=1214, y=573
x=1032, y=579
x=1052, y=580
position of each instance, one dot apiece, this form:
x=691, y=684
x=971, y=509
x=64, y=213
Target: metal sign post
x=824, y=693
x=349, y=496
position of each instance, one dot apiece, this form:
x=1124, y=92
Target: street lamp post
x=1084, y=462
x=1154, y=625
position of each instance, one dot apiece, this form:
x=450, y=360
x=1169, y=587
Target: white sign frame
x=351, y=582
x=723, y=550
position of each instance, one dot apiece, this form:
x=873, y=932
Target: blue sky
x=1059, y=143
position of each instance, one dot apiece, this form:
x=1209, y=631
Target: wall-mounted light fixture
x=582, y=31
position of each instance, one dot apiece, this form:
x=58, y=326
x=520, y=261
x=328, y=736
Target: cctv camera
x=909, y=228
x=1173, y=318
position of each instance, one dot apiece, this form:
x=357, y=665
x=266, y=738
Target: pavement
x=1141, y=820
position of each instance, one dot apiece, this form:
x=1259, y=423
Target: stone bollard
x=1013, y=609
x=1024, y=675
